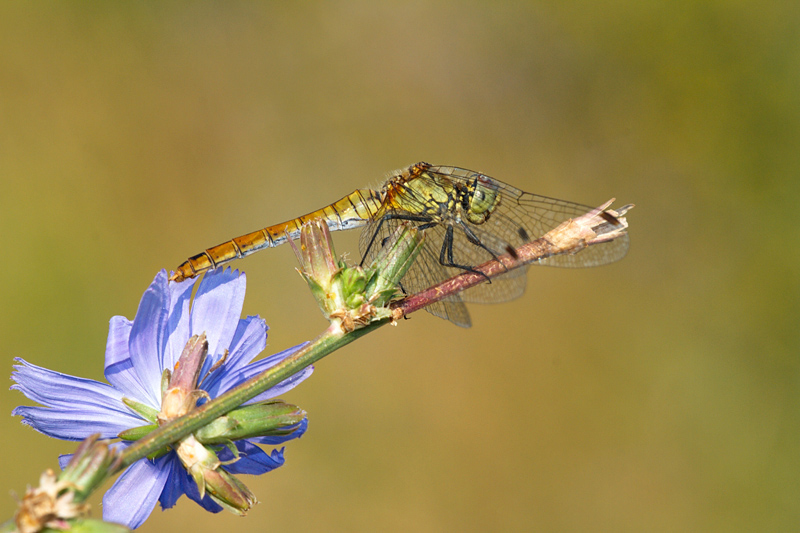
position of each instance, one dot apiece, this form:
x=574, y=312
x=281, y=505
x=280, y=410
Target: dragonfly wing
x=521, y=217
x=560, y=211
x=424, y=273
x=503, y=288
x=455, y=312
x=595, y=255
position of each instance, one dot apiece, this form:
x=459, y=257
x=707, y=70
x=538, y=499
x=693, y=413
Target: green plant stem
x=329, y=341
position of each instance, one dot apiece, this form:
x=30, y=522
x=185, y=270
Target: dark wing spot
x=511, y=251
x=523, y=234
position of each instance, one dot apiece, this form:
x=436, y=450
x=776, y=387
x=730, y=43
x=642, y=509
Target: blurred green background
x=661, y=393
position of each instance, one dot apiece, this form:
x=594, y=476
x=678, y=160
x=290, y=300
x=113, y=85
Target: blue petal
x=252, y=459
x=134, y=495
x=190, y=488
x=119, y=369
x=284, y=386
x=147, y=336
x=173, y=488
x=124, y=377
x=248, y=342
x=217, y=308
x=84, y=404
x=63, y=460
x=179, y=320
x=74, y=424
x=54, y=389
x=119, y=332
x=227, y=379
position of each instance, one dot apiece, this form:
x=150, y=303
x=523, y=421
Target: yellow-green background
x=661, y=393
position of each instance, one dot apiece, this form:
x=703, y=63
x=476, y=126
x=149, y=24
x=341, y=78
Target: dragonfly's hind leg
x=446, y=255
x=471, y=237
x=386, y=218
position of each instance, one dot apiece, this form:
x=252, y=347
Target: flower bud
x=58, y=501
x=263, y=419
x=205, y=468
x=354, y=296
x=87, y=467
x=181, y=394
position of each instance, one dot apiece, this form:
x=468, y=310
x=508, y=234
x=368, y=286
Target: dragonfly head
x=482, y=199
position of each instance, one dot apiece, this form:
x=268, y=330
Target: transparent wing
x=503, y=288
x=425, y=272
x=522, y=217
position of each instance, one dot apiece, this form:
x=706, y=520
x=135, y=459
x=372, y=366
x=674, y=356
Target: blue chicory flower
x=137, y=352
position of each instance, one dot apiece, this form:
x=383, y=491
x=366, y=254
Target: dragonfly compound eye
x=484, y=199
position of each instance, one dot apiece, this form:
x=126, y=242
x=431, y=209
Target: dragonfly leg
x=385, y=218
x=446, y=255
x=474, y=239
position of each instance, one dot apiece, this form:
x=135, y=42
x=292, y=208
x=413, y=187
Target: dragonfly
x=468, y=218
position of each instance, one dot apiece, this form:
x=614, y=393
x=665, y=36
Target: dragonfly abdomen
x=352, y=211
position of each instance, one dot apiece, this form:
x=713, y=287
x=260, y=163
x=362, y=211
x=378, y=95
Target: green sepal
x=145, y=411
x=381, y=298
x=353, y=279
x=87, y=467
x=137, y=432
x=231, y=446
x=226, y=489
x=351, y=282
x=316, y=289
x=355, y=296
x=197, y=474
x=166, y=376
x=159, y=453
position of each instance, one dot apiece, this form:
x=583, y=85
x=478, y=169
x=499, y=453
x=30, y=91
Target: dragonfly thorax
x=418, y=191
